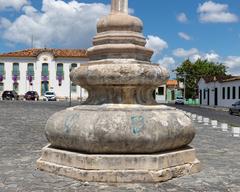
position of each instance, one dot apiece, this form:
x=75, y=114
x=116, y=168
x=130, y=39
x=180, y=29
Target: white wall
x=221, y=102
x=24, y=85
x=161, y=98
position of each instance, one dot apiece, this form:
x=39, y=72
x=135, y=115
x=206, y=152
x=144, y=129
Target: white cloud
x=15, y=4
x=211, y=56
x=167, y=62
x=233, y=64
x=211, y=12
x=58, y=24
x=4, y=23
x=184, y=36
x=195, y=57
x=182, y=18
x=156, y=43
x=180, y=52
x=214, y=57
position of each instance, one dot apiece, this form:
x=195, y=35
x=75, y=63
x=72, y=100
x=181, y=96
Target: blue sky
x=175, y=29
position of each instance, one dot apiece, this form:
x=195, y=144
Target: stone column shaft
x=119, y=6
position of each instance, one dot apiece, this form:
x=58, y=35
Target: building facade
x=168, y=92
x=42, y=70
x=221, y=91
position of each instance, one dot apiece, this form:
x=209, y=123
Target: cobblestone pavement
x=22, y=137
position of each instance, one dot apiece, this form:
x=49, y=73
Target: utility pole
x=32, y=41
x=183, y=75
x=70, y=89
x=184, y=84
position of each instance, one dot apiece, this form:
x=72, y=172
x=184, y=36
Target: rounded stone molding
x=119, y=22
x=119, y=82
x=119, y=129
x=119, y=37
x=119, y=74
x=119, y=51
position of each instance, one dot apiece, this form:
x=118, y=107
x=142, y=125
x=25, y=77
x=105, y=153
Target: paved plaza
x=22, y=137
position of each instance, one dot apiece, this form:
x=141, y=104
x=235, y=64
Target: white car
x=179, y=101
x=49, y=96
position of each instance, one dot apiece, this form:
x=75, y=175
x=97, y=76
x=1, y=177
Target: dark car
x=10, y=95
x=31, y=95
x=235, y=108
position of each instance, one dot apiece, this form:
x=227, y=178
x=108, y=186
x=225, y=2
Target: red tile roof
x=56, y=53
x=172, y=83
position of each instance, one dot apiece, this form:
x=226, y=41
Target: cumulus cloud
x=211, y=56
x=184, y=36
x=214, y=57
x=182, y=18
x=156, y=43
x=211, y=12
x=233, y=64
x=167, y=62
x=15, y=4
x=195, y=57
x=4, y=23
x=58, y=24
x=180, y=52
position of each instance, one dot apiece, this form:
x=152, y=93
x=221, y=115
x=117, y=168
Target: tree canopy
x=193, y=71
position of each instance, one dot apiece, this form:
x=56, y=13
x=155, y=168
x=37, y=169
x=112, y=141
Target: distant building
x=41, y=70
x=219, y=91
x=168, y=92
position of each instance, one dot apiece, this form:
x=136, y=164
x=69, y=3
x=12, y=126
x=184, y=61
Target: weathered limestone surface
x=119, y=168
x=120, y=6
x=118, y=129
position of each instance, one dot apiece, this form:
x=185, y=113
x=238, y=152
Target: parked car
x=31, y=95
x=10, y=95
x=179, y=101
x=49, y=96
x=235, y=108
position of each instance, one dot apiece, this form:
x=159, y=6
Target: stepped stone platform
x=119, y=168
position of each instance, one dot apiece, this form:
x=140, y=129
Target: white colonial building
x=42, y=70
x=219, y=91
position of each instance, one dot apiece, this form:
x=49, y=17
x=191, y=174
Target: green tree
x=193, y=71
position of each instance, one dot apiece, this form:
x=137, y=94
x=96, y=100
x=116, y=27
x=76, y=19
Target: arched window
x=223, y=93
x=234, y=93
x=45, y=71
x=60, y=73
x=59, y=69
x=73, y=86
x=228, y=93
x=30, y=69
x=239, y=92
x=1, y=87
x=2, y=72
x=16, y=71
x=73, y=65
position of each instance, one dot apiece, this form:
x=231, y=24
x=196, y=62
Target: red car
x=31, y=95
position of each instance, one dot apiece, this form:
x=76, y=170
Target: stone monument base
x=120, y=168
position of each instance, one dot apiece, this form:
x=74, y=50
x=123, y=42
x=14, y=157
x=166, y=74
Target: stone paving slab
x=22, y=137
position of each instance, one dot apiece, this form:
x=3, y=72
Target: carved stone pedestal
x=119, y=134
